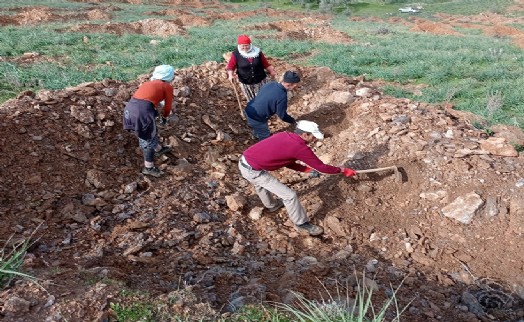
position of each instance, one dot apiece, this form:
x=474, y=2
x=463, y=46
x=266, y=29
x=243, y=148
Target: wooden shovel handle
x=394, y=168
x=238, y=100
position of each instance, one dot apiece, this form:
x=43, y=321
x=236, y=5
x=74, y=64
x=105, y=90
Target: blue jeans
x=260, y=129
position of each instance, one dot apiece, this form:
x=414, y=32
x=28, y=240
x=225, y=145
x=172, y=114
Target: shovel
x=396, y=172
x=238, y=100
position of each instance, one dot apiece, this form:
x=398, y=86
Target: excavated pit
x=69, y=172
x=70, y=168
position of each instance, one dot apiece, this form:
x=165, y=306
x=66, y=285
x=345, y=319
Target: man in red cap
x=283, y=150
x=251, y=65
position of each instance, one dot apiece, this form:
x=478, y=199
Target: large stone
x=463, y=208
x=516, y=215
x=82, y=114
x=512, y=134
x=334, y=224
x=363, y=92
x=491, y=208
x=342, y=97
x=83, y=130
x=16, y=305
x=256, y=213
x=498, y=146
x=422, y=259
x=339, y=84
x=236, y=201
x=97, y=178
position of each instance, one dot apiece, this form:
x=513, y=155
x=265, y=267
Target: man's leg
x=265, y=184
x=148, y=148
x=260, y=129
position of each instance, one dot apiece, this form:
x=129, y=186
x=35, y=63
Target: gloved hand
x=347, y=172
x=312, y=172
x=163, y=121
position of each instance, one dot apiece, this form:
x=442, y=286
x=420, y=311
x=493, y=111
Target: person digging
x=140, y=114
x=271, y=100
x=283, y=150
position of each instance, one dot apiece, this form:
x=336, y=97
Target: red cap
x=243, y=40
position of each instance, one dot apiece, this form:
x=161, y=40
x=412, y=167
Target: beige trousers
x=266, y=185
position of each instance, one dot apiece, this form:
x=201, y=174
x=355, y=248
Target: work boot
x=279, y=205
x=153, y=171
x=162, y=151
x=309, y=228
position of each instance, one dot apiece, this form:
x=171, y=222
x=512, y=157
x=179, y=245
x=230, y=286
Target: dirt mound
x=436, y=28
x=197, y=3
x=102, y=1
x=186, y=18
x=31, y=15
x=268, y=12
x=33, y=57
x=487, y=18
x=98, y=14
x=305, y=29
x=454, y=218
x=38, y=15
x=154, y=27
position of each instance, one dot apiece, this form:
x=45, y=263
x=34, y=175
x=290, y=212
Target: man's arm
x=282, y=111
x=168, y=99
x=307, y=156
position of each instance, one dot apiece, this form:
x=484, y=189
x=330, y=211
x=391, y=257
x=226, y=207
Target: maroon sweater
x=283, y=150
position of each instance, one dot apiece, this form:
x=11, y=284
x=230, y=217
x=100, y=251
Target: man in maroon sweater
x=283, y=150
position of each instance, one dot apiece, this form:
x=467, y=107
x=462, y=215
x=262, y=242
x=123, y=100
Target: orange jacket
x=156, y=91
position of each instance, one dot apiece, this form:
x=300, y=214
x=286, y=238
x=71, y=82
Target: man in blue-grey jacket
x=271, y=100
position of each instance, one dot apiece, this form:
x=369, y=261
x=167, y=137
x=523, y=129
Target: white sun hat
x=310, y=127
x=163, y=72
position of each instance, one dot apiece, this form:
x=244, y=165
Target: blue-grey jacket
x=270, y=100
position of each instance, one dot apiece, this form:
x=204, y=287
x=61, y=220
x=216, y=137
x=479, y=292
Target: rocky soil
x=449, y=228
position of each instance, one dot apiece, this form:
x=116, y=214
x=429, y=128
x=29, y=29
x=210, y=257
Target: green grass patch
x=11, y=260
x=519, y=148
x=396, y=91
x=61, y=4
x=469, y=7
x=133, y=312
x=367, y=9
x=256, y=313
x=463, y=70
x=342, y=306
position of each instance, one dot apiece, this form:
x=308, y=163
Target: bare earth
x=451, y=229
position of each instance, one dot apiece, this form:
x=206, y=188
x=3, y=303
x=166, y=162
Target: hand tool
x=238, y=100
x=396, y=172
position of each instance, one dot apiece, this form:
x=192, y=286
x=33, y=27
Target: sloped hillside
x=451, y=229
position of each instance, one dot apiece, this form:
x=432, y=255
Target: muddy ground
x=449, y=227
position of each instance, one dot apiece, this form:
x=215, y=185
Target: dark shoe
x=153, y=171
x=279, y=205
x=162, y=151
x=309, y=228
